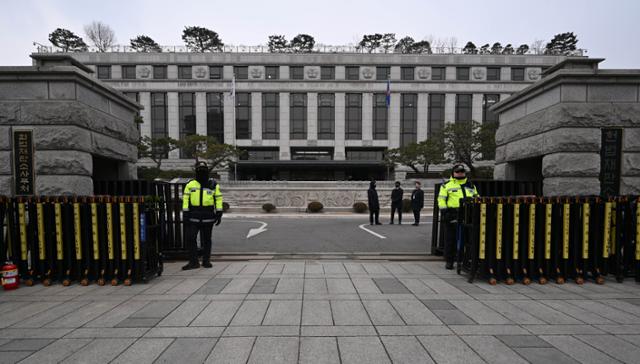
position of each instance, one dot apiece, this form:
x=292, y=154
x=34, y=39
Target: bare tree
x=101, y=35
x=537, y=47
x=452, y=43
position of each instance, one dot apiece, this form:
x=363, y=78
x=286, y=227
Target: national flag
x=388, y=94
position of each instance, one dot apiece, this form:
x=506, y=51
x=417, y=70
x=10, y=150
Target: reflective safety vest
x=452, y=191
x=196, y=198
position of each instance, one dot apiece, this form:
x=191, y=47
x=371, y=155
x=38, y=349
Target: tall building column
x=201, y=113
x=423, y=116
x=284, y=126
x=312, y=116
x=145, y=101
x=173, y=122
x=450, y=108
x=339, y=152
x=476, y=108
x=256, y=116
x=394, y=121
x=229, y=122
x=367, y=116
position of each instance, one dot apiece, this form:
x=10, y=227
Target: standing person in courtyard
x=202, y=208
x=374, y=204
x=396, y=203
x=417, y=203
x=457, y=188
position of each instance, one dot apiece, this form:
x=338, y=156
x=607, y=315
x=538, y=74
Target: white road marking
x=371, y=232
x=256, y=231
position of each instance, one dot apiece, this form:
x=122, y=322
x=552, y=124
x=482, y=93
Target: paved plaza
x=321, y=312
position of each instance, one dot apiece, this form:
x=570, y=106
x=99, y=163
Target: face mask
x=460, y=178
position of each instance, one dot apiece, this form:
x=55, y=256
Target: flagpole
x=233, y=108
x=388, y=102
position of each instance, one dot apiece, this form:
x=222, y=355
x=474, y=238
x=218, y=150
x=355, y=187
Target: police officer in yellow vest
x=451, y=192
x=202, y=207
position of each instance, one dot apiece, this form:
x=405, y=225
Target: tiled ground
x=321, y=312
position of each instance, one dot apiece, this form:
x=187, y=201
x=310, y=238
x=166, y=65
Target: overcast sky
x=606, y=28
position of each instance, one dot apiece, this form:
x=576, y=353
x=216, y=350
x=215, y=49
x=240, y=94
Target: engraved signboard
x=23, y=168
x=610, y=156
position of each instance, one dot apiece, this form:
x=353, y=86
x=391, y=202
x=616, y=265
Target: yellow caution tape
x=499, y=232
x=607, y=230
x=516, y=230
x=613, y=228
x=23, y=230
x=42, y=254
x=58, y=216
x=123, y=232
x=566, y=213
x=532, y=231
x=547, y=231
x=136, y=232
x=110, y=231
x=483, y=226
x=638, y=230
x=76, y=228
x=586, y=213
x=94, y=231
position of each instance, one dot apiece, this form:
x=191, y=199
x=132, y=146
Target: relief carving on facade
x=200, y=72
x=534, y=74
x=424, y=73
x=256, y=73
x=367, y=73
x=478, y=73
x=294, y=198
x=145, y=72
x=312, y=73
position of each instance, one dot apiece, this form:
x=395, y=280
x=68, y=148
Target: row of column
x=393, y=136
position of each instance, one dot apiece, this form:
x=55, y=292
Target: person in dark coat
x=396, y=203
x=417, y=203
x=374, y=204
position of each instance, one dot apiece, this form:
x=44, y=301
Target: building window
x=270, y=115
x=327, y=73
x=260, y=155
x=326, y=116
x=463, y=107
x=438, y=73
x=128, y=72
x=436, y=114
x=184, y=72
x=215, y=116
x=353, y=116
x=298, y=116
x=272, y=72
x=383, y=73
x=408, y=119
x=243, y=115
x=215, y=72
x=380, y=116
x=312, y=154
x=187, y=118
x=493, y=73
x=159, y=72
x=407, y=73
x=104, y=72
x=517, y=74
x=357, y=154
x=462, y=73
x=241, y=72
x=352, y=72
x=159, y=127
x=296, y=72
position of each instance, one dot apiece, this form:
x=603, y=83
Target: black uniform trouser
x=374, y=216
x=192, y=229
x=450, y=234
x=396, y=207
x=416, y=215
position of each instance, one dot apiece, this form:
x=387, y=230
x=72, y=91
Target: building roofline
x=60, y=58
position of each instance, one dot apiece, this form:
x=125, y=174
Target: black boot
x=206, y=264
x=191, y=265
x=449, y=265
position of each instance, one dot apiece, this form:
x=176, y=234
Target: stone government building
x=320, y=116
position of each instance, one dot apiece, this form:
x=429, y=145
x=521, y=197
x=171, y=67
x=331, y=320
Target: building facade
x=319, y=116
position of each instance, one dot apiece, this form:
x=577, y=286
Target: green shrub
x=225, y=206
x=406, y=205
x=360, y=207
x=268, y=207
x=315, y=206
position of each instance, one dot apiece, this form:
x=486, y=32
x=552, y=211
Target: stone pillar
x=284, y=72
x=450, y=73
x=284, y=126
x=127, y=171
x=256, y=116
x=630, y=166
x=339, y=152
x=394, y=121
x=504, y=172
x=312, y=116
x=227, y=73
x=505, y=74
x=571, y=174
x=423, y=116
x=476, y=108
x=229, y=122
x=201, y=113
x=450, y=108
x=145, y=101
x=116, y=72
x=340, y=73
x=367, y=116
x=172, y=72
x=394, y=73
x=174, y=125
